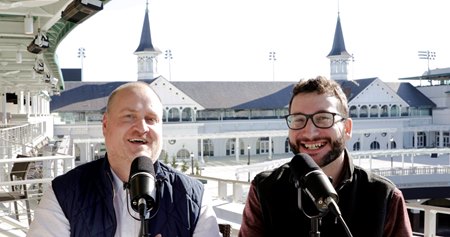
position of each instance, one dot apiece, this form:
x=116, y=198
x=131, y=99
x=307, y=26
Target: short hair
x=127, y=85
x=321, y=85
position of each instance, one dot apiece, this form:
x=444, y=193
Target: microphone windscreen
x=142, y=164
x=301, y=164
x=142, y=182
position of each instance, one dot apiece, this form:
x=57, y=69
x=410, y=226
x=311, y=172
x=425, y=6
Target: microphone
x=309, y=177
x=142, y=184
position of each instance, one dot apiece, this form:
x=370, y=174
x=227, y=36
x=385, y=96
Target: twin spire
x=339, y=57
x=147, y=53
x=147, y=63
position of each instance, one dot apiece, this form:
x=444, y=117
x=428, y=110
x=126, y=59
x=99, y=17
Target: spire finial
x=146, y=5
x=338, y=8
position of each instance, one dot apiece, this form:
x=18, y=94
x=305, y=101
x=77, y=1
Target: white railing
x=430, y=217
x=20, y=139
x=235, y=191
x=15, y=223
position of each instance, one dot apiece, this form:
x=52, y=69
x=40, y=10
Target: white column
x=270, y=148
x=237, y=150
x=20, y=99
x=28, y=99
x=201, y=151
x=430, y=223
x=34, y=105
x=3, y=108
x=415, y=139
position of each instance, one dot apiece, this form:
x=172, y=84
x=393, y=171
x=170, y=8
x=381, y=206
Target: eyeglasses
x=320, y=119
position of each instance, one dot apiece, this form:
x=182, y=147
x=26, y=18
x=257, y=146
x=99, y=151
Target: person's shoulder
x=373, y=178
x=173, y=174
x=81, y=171
x=275, y=173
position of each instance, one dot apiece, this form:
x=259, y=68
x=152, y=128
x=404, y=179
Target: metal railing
x=15, y=222
x=235, y=191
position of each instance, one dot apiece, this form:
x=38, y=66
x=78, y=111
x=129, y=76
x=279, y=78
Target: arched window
x=375, y=145
x=287, y=147
x=187, y=114
x=363, y=112
x=393, y=145
x=174, y=115
x=384, y=111
x=183, y=154
x=353, y=112
x=394, y=111
x=374, y=111
x=357, y=146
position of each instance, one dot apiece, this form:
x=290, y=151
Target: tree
x=174, y=162
x=166, y=158
x=184, y=166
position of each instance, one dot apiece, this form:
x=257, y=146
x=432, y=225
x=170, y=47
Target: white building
x=213, y=119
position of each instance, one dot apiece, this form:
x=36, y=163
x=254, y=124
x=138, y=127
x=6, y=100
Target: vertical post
x=168, y=56
x=273, y=59
x=192, y=163
x=92, y=151
x=82, y=55
x=428, y=55
x=248, y=160
x=390, y=147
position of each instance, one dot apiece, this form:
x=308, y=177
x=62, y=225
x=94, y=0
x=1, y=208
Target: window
x=375, y=145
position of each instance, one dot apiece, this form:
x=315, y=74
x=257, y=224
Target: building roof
x=354, y=87
x=92, y=96
x=411, y=95
x=238, y=95
x=438, y=74
x=83, y=96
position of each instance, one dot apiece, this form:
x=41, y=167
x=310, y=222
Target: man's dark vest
x=363, y=200
x=85, y=195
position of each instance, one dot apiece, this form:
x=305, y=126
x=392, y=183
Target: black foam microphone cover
x=142, y=182
x=310, y=177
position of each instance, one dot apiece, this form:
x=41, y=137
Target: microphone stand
x=315, y=218
x=143, y=213
x=314, y=227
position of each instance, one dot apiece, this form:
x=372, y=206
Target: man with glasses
x=319, y=126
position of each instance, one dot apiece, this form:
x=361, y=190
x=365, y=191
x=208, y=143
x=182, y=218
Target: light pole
x=81, y=55
x=428, y=55
x=248, y=160
x=168, y=56
x=273, y=59
x=390, y=147
x=192, y=163
x=92, y=151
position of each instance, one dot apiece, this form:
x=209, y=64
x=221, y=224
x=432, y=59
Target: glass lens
x=323, y=120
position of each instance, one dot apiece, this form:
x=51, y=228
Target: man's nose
x=142, y=126
x=310, y=129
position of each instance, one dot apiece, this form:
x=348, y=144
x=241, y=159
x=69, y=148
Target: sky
x=230, y=40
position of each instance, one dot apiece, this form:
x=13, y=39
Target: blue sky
x=220, y=40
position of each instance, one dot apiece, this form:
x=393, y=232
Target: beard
x=337, y=147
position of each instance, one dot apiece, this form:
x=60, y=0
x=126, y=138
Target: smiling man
x=319, y=126
x=91, y=200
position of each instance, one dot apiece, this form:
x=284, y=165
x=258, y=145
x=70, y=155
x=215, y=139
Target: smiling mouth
x=138, y=141
x=314, y=146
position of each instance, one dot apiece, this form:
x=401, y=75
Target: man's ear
x=348, y=127
x=104, y=121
